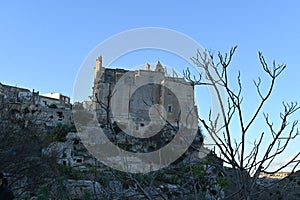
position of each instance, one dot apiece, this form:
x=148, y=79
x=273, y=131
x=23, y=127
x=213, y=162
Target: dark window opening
x=108, y=78
x=64, y=162
x=170, y=109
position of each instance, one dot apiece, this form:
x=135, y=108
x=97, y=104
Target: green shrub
x=59, y=132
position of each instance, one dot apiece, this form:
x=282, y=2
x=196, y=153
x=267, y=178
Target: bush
x=59, y=132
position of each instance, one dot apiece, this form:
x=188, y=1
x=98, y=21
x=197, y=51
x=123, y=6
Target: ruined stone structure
x=143, y=96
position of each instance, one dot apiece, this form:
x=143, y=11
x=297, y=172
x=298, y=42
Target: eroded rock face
x=70, y=153
x=73, y=153
x=177, y=181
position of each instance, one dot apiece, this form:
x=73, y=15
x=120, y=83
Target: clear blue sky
x=43, y=43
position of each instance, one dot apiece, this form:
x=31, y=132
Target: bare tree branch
x=235, y=153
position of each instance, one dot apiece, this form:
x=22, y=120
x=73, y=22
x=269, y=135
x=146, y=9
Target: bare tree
x=247, y=165
x=104, y=104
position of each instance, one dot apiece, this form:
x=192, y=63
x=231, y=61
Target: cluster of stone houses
x=54, y=107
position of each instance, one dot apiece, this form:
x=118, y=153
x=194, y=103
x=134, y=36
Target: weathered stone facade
x=143, y=96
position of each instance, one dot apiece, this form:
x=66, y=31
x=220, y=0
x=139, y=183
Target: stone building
x=58, y=99
x=143, y=96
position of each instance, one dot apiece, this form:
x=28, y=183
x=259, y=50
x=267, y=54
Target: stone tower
x=97, y=68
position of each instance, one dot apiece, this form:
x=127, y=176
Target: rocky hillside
x=85, y=177
x=286, y=188
x=64, y=169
